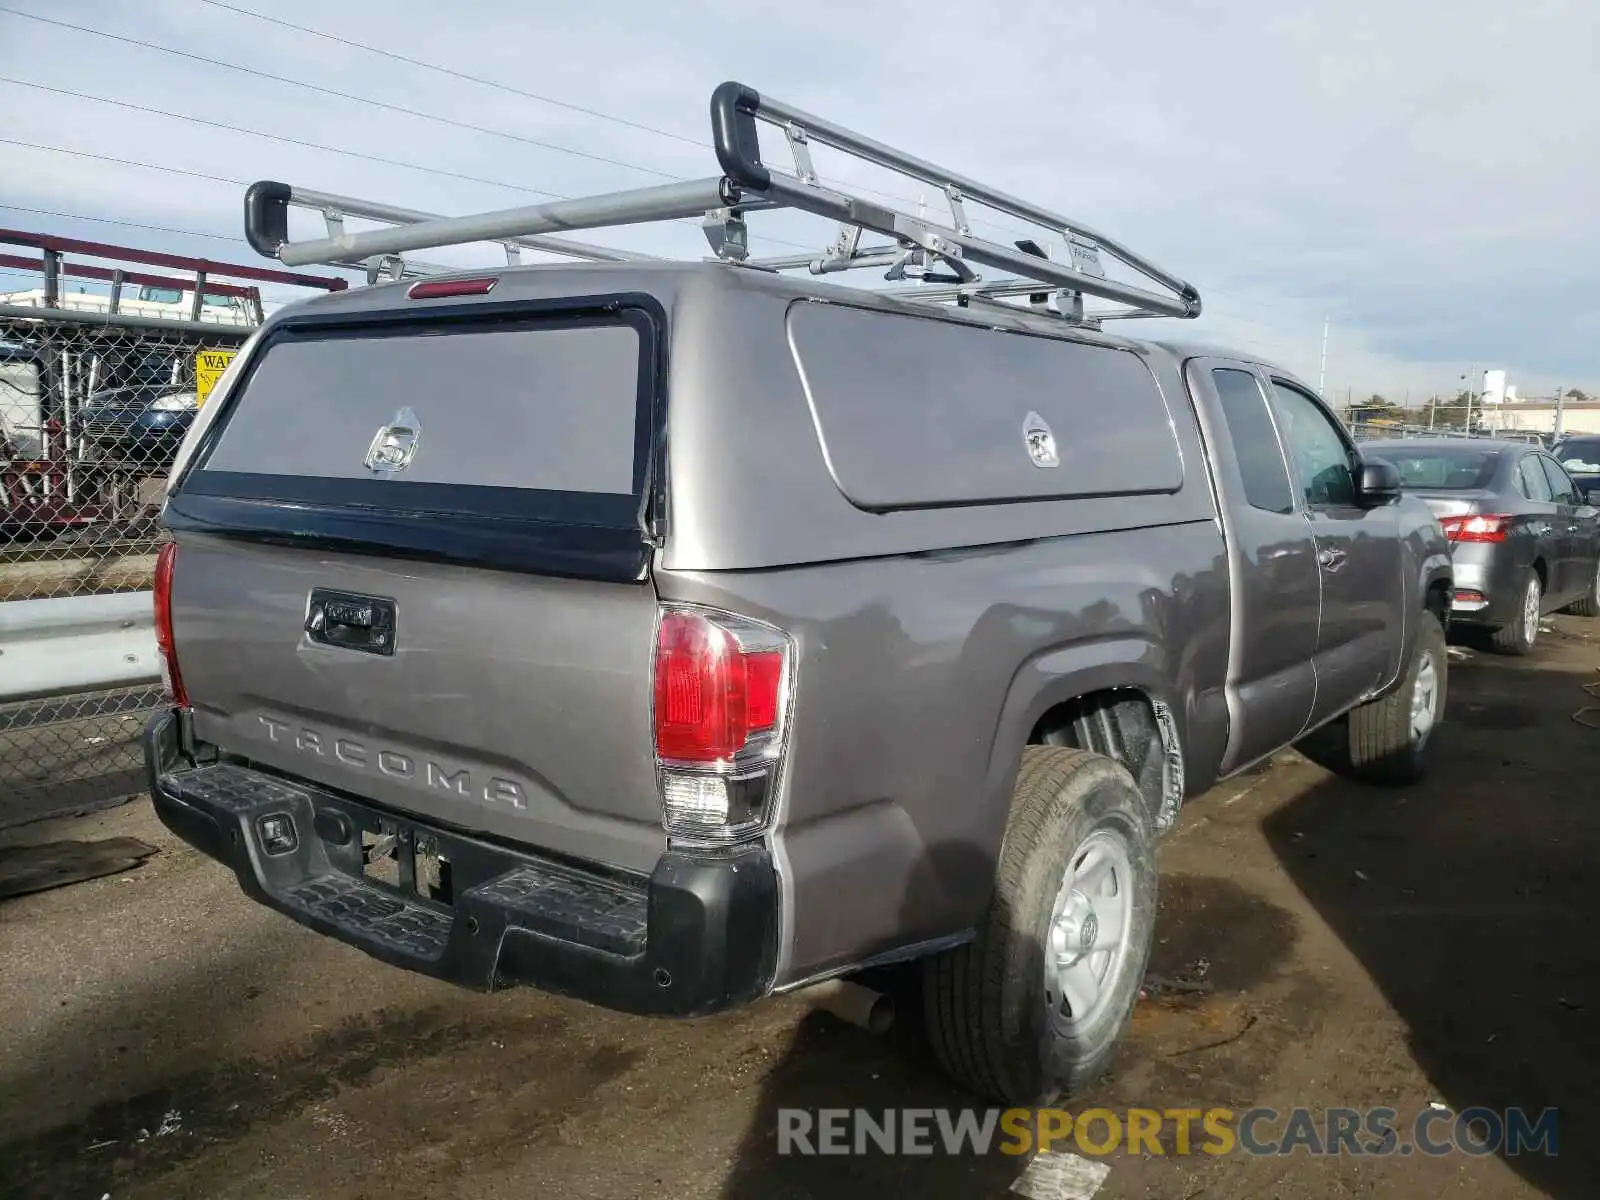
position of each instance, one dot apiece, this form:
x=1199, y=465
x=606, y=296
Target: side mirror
x=1591, y=497
x=1377, y=483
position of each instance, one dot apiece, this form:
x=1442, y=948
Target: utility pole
x=1322, y=370
x=1561, y=400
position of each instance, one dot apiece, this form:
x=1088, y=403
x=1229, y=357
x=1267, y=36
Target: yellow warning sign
x=208, y=368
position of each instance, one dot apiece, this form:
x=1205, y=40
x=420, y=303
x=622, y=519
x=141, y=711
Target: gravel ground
x=163, y=1037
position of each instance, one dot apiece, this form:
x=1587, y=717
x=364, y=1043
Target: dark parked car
x=140, y=424
x=1525, y=536
x=142, y=404
x=1580, y=455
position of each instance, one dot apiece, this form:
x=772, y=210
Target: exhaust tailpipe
x=852, y=1003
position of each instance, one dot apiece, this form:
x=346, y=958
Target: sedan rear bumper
x=1488, y=584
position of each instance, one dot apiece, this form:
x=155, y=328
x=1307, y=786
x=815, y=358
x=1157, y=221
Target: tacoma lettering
x=396, y=764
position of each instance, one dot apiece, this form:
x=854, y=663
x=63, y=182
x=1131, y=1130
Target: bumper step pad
x=368, y=912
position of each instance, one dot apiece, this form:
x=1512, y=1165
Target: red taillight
x=435, y=289
x=1490, y=527
x=711, y=694
x=166, y=647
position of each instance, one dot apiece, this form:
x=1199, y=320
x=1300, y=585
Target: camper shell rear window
x=440, y=433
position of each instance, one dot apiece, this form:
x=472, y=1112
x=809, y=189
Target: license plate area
x=390, y=854
x=409, y=862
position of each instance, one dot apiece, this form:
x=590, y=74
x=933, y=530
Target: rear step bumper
x=699, y=935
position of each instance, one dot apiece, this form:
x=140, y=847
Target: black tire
x=985, y=1002
x=1384, y=747
x=1588, y=605
x=1521, y=635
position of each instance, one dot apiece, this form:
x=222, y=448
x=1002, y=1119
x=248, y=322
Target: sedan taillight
x=1489, y=527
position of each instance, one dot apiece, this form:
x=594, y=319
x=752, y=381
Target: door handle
x=1330, y=559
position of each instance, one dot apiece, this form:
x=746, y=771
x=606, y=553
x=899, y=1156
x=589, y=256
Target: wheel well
x=1120, y=723
x=1539, y=570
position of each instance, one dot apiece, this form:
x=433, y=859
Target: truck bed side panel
x=899, y=779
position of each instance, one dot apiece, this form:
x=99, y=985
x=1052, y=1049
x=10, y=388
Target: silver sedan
x=1525, y=540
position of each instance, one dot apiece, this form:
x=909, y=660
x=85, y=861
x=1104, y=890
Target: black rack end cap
x=734, y=134
x=266, y=216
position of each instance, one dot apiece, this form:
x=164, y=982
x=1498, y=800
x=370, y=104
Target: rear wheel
x=1389, y=736
x=1519, y=636
x=1588, y=605
x=1035, y=1006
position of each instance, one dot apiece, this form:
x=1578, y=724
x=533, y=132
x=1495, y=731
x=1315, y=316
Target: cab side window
x=1322, y=458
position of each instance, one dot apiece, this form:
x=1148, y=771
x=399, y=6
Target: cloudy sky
x=1423, y=175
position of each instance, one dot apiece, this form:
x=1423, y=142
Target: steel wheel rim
x=1424, y=700
x=1530, y=611
x=1091, y=926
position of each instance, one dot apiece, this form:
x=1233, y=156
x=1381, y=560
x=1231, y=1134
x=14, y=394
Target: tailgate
x=512, y=704
x=413, y=564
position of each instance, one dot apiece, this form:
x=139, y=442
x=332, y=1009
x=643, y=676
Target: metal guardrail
x=54, y=648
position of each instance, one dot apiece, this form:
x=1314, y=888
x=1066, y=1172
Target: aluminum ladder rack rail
x=937, y=257
x=265, y=197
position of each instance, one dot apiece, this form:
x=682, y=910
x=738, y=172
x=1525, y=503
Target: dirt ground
x=160, y=1036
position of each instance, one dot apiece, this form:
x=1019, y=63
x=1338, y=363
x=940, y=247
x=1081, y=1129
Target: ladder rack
x=937, y=258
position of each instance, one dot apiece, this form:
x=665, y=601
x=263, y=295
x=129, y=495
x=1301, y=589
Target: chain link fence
x=93, y=406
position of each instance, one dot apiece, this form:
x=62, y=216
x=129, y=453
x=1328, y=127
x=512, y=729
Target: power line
x=452, y=72
x=122, y=162
x=276, y=137
x=427, y=116
x=338, y=95
x=378, y=104
x=67, y=216
x=418, y=113
x=301, y=142
x=455, y=74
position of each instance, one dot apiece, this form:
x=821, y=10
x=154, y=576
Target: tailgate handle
x=347, y=621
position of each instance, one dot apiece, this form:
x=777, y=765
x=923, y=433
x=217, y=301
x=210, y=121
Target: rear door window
x=1562, y=489
x=1534, y=483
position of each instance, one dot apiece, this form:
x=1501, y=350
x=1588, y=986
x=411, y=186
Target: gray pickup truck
x=673, y=634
